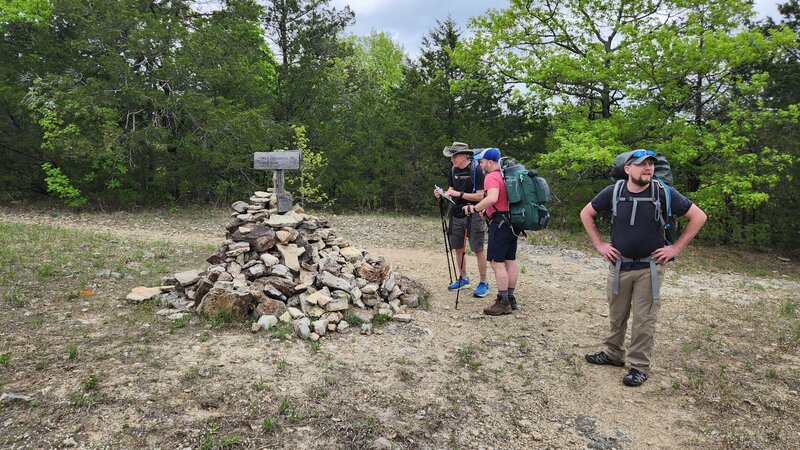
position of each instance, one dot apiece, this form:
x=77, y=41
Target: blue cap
x=492, y=154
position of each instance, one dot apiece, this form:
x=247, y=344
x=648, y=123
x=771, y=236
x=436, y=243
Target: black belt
x=627, y=266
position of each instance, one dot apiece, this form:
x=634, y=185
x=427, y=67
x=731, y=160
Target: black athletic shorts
x=502, y=242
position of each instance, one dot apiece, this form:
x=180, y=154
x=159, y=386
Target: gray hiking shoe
x=600, y=358
x=634, y=378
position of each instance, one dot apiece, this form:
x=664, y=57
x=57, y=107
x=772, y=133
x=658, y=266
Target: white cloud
x=766, y=8
x=407, y=21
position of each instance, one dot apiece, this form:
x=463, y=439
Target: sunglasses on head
x=640, y=153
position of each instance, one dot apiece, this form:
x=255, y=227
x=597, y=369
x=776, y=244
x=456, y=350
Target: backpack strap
x=655, y=195
x=655, y=198
x=615, y=199
x=655, y=286
x=474, y=165
x=473, y=168
x=668, y=201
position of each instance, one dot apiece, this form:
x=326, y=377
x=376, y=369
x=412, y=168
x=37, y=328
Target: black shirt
x=646, y=234
x=462, y=180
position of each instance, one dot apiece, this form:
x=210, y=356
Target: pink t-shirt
x=495, y=181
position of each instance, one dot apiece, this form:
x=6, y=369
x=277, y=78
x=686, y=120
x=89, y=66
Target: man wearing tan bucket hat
x=465, y=187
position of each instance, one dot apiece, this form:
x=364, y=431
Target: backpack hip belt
x=656, y=286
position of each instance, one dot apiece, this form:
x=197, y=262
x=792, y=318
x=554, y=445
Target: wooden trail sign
x=279, y=160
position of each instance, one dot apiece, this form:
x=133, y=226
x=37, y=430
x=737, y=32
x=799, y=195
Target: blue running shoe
x=481, y=290
x=460, y=283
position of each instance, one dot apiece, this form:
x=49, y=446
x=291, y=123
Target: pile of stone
x=288, y=268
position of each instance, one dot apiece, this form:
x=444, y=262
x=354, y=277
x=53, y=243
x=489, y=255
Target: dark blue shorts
x=502, y=243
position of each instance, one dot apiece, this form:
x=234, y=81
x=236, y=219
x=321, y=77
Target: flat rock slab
x=289, y=219
x=10, y=397
x=188, y=277
x=352, y=254
x=332, y=281
x=142, y=293
x=290, y=255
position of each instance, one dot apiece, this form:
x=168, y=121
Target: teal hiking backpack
x=662, y=181
x=528, y=195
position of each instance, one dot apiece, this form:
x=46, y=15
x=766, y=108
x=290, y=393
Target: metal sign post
x=279, y=160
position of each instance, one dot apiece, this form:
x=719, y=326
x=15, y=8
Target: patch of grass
x=5, y=358
x=772, y=374
x=317, y=393
x=694, y=377
x=222, y=318
x=405, y=375
x=260, y=384
x=192, y=373
x=284, y=406
x=230, y=441
x=380, y=319
x=91, y=382
x=268, y=425
x=574, y=368
x=36, y=321
x=788, y=309
x=280, y=332
x=40, y=365
x=315, y=346
x=72, y=352
x=80, y=398
x=281, y=365
x=353, y=320
x=744, y=284
x=180, y=323
x=209, y=432
x=468, y=357
x=370, y=423
x=45, y=270
x=16, y=298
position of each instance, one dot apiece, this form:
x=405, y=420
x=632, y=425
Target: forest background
x=140, y=103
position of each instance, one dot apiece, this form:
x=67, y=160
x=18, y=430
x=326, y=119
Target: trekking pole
x=451, y=262
x=447, y=251
x=463, y=258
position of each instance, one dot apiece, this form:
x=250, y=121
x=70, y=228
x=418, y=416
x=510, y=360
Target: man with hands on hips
x=637, y=255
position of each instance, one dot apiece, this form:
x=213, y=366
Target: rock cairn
x=289, y=268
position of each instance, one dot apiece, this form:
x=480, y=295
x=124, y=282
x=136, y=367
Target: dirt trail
x=452, y=378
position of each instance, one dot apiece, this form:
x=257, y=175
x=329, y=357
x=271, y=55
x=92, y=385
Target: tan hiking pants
x=635, y=298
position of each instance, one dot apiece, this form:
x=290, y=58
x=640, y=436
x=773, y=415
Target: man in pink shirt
x=502, y=252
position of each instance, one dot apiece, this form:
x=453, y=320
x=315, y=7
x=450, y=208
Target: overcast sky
x=407, y=21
